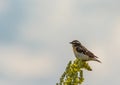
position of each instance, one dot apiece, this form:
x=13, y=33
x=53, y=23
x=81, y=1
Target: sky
x=35, y=36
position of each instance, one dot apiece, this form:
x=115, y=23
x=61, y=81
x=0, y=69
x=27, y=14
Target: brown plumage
x=83, y=53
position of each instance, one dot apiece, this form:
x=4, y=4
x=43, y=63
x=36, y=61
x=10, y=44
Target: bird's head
x=75, y=43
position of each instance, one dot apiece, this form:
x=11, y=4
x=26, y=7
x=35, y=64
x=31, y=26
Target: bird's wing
x=83, y=50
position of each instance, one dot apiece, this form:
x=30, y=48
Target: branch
x=73, y=74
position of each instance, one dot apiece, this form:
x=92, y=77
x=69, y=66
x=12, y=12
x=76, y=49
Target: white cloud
x=57, y=19
x=116, y=31
x=101, y=69
x=3, y=82
x=3, y=5
x=52, y=21
x=15, y=62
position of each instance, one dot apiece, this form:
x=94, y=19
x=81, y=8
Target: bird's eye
x=76, y=42
x=73, y=42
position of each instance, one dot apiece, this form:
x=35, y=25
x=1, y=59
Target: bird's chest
x=80, y=55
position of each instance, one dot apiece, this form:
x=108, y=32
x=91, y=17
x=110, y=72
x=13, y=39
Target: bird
x=83, y=53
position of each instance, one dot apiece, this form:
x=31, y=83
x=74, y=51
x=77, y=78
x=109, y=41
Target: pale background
x=35, y=36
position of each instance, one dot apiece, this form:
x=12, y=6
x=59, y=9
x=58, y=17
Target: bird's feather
x=83, y=50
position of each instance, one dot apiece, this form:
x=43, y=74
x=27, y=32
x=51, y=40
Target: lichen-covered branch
x=73, y=74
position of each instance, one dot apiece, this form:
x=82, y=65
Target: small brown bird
x=82, y=53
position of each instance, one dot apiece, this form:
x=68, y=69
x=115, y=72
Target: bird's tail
x=97, y=60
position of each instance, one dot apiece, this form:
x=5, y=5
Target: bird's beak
x=70, y=42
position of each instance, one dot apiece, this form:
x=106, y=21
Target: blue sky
x=35, y=36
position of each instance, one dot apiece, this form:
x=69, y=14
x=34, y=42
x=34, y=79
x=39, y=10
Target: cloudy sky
x=35, y=36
